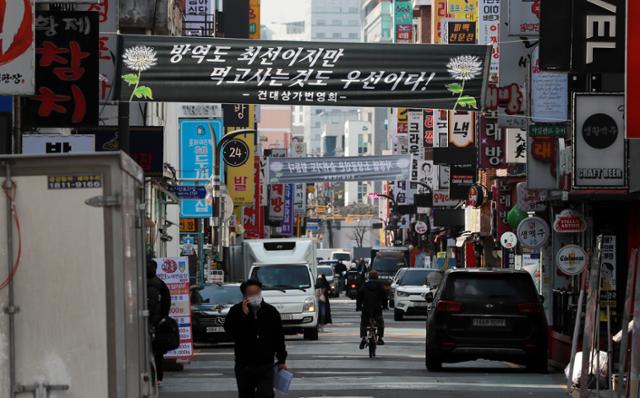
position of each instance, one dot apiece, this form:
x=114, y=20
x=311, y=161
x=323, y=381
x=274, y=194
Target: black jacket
x=258, y=337
x=372, y=298
x=159, y=300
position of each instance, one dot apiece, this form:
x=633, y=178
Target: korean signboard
x=253, y=218
x=240, y=178
x=403, y=21
x=296, y=73
x=17, y=51
x=608, y=264
x=33, y=144
x=598, y=43
x=524, y=17
x=276, y=202
x=254, y=19
x=416, y=134
x=288, y=216
x=427, y=119
x=440, y=128
x=196, y=161
x=463, y=9
x=491, y=144
x=199, y=18
x=462, y=129
x=533, y=232
x=488, y=33
x=542, y=163
x=439, y=14
x=461, y=32
x=174, y=271
x=516, y=144
x=632, y=93
x=354, y=168
x=108, y=45
x=462, y=178
x=67, y=70
x=599, y=148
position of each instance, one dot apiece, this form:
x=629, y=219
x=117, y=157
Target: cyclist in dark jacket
x=371, y=300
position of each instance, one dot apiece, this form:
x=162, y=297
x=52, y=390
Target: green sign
x=548, y=130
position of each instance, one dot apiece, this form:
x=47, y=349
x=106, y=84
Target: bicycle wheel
x=372, y=348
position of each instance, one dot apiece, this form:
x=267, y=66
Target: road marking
x=338, y=372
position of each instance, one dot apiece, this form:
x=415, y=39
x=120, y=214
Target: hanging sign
x=571, y=260
x=235, y=153
x=17, y=51
x=477, y=196
x=508, y=240
x=569, y=221
x=421, y=227
x=533, y=232
x=301, y=73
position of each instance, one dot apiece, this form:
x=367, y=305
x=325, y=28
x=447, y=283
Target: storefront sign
x=463, y=9
x=253, y=217
x=462, y=178
x=461, y=32
x=488, y=33
x=462, y=129
x=40, y=144
x=477, y=196
x=427, y=119
x=297, y=73
x=17, y=51
x=632, y=94
x=542, y=163
x=196, y=161
x=569, y=221
x=524, y=17
x=508, y=240
x=516, y=143
x=188, y=225
x=599, y=149
x=491, y=144
x=421, y=227
x=549, y=93
x=598, y=35
x=354, y=168
x=502, y=192
x=403, y=21
x=288, y=216
x=254, y=19
x=240, y=181
x=533, y=232
x=276, y=202
x=67, y=60
x=530, y=199
x=571, y=260
x=174, y=271
x=199, y=18
x=548, y=130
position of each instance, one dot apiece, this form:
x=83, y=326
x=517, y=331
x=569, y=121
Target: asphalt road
x=335, y=367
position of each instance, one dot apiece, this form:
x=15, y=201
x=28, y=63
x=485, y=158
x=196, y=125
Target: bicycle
x=372, y=337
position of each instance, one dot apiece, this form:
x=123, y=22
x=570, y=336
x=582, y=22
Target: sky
x=274, y=10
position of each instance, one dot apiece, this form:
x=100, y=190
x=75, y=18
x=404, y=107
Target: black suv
x=488, y=314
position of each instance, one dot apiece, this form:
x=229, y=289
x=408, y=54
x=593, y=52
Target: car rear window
x=517, y=288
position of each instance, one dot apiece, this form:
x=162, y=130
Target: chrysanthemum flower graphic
x=139, y=59
x=463, y=68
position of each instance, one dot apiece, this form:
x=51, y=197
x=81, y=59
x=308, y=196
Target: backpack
x=167, y=336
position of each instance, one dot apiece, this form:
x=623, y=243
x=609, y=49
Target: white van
x=287, y=270
x=342, y=255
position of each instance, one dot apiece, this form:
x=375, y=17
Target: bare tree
x=358, y=234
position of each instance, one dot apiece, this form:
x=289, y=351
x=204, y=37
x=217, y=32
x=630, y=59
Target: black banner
x=596, y=46
x=190, y=69
x=455, y=156
x=555, y=35
x=462, y=178
x=66, y=70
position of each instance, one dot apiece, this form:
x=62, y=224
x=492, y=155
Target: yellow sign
x=438, y=15
x=463, y=10
x=254, y=19
x=188, y=225
x=240, y=180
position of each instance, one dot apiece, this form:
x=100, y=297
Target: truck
x=287, y=269
x=72, y=234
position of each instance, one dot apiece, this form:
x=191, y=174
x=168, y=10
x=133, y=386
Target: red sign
x=492, y=152
x=632, y=116
x=20, y=40
x=569, y=221
x=253, y=218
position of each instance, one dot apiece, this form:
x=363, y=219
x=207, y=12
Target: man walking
x=371, y=300
x=257, y=332
x=159, y=305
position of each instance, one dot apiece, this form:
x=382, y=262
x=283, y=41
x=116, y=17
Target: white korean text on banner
x=174, y=271
x=17, y=48
x=599, y=154
x=302, y=73
x=351, y=168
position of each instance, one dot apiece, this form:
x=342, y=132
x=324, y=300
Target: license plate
x=419, y=303
x=286, y=317
x=489, y=323
x=215, y=329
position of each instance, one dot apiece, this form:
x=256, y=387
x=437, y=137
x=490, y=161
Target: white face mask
x=255, y=301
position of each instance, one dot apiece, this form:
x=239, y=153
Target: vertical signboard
x=599, y=153
x=439, y=13
x=288, y=216
x=462, y=129
x=488, y=33
x=491, y=144
x=461, y=32
x=516, y=144
x=427, y=118
x=416, y=134
x=463, y=9
x=403, y=21
x=67, y=70
x=253, y=220
x=199, y=18
x=174, y=271
x=196, y=161
x=524, y=17
x=240, y=179
x=254, y=19
x=17, y=50
x=542, y=163
x=276, y=202
x=108, y=45
x=632, y=91
x=440, y=128
x=549, y=93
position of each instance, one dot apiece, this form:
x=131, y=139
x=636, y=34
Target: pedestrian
x=323, y=291
x=372, y=300
x=158, y=304
x=340, y=271
x=256, y=329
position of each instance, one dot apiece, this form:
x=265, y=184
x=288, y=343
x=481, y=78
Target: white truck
x=287, y=269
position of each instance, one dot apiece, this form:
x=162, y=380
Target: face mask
x=255, y=301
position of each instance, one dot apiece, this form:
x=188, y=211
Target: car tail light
x=530, y=308
x=353, y=285
x=447, y=344
x=449, y=306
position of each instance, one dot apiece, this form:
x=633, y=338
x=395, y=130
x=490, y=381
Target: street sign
x=533, y=232
x=188, y=191
x=235, y=153
x=508, y=240
x=188, y=225
x=571, y=259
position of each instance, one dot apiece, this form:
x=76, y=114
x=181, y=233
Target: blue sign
x=287, y=223
x=188, y=191
x=196, y=160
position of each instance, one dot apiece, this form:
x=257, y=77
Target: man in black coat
x=371, y=300
x=158, y=304
x=256, y=328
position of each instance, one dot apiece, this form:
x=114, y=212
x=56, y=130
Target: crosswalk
x=335, y=367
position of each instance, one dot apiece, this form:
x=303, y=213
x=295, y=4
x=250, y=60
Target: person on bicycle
x=371, y=300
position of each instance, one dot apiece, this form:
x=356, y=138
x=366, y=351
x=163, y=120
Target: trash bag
x=595, y=372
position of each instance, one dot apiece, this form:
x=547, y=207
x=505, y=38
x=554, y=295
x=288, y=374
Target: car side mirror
x=541, y=298
x=429, y=297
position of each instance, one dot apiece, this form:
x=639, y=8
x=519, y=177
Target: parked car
x=488, y=314
x=209, y=307
x=394, y=284
x=411, y=289
x=329, y=273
